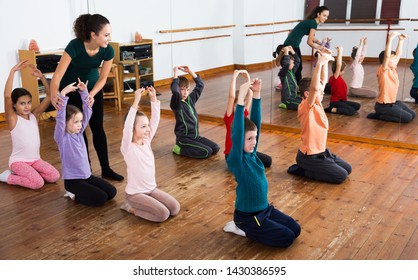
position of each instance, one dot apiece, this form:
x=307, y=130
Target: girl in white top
x=27, y=169
x=356, y=86
x=142, y=197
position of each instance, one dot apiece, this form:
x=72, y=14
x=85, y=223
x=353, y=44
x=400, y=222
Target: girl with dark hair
x=81, y=59
x=27, y=169
x=79, y=183
x=307, y=27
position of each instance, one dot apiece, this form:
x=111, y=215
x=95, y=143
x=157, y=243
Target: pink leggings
x=32, y=174
x=156, y=206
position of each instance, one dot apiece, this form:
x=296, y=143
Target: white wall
x=50, y=23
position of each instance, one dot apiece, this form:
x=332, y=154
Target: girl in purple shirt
x=80, y=184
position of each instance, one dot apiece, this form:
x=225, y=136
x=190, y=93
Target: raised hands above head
x=138, y=94
x=35, y=71
x=394, y=34
x=339, y=49
x=403, y=36
x=184, y=68
x=81, y=85
x=256, y=88
x=69, y=88
x=152, y=93
x=324, y=57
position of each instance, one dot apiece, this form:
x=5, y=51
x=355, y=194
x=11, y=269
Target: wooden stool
x=116, y=93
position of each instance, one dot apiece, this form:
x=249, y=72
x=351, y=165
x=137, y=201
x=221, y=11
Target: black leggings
x=93, y=191
x=324, y=166
x=199, y=147
x=345, y=107
x=270, y=227
x=96, y=126
x=396, y=112
x=298, y=73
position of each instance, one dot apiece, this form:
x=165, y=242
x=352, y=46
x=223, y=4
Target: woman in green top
x=81, y=60
x=307, y=27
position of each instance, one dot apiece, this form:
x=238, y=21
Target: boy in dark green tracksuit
x=188, y=141
x=290, y=62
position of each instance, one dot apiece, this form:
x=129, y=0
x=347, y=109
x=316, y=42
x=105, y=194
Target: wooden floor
x=372, y=215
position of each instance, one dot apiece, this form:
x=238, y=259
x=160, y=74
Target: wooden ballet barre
x=268, y=33
x=271, y=23
x=196, y=29
x=193, y=39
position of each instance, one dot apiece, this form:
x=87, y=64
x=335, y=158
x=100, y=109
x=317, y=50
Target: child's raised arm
x=388, y=48
x=137, y=99
x=256, y=88
x=401, y=39
x=187, y=69
x=318, y=81
x=47, y=100
x=243, y=90
x=155, y=111
x=232, y=89
x=60, y=123
x=9, y=113
x=338, y=61
x=128, y=127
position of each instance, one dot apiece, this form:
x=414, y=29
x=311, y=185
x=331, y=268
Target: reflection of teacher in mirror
x=307, y=27
x=81, y=59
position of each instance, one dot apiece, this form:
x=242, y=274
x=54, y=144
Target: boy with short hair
x=387, y=107
x=254, y=217
x=338, y=102
x=314, y=160
x=188, y=141
x=290, y=62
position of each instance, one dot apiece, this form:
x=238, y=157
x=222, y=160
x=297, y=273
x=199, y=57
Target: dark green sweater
x=252, y=185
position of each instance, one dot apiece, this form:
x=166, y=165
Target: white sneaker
x=69, y=194
x=409, y=99
x=232, y=227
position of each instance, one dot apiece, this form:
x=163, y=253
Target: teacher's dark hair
x=87, y=23
x=317, y=10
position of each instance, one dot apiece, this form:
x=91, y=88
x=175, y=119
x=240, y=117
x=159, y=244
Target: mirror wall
x=214, y=37
x=259, y=28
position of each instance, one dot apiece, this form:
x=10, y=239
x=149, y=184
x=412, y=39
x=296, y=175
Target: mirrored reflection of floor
x=214, y=98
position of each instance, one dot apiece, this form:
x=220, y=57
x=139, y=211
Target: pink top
x=314, y=124
x=358, y=70
x=388, y=84
x=25, y=140
x=139, y=159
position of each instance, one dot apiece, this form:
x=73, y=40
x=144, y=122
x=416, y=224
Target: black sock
x=296, y=170
x=110, y=174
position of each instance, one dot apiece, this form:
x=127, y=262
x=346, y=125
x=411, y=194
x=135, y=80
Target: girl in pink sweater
x=142, y=197
x=27, y=169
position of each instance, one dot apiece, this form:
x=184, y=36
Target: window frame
x=384, y=7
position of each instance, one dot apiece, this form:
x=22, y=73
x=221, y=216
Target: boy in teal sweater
x=253, y=216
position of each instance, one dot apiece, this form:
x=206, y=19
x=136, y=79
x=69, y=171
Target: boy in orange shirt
x=314, y=160
x=387, y=107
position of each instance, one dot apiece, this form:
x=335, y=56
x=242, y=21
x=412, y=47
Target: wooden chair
x=116, y=94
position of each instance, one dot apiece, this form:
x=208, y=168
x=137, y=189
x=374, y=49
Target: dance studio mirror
x=248, y=42
x=243, y=35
